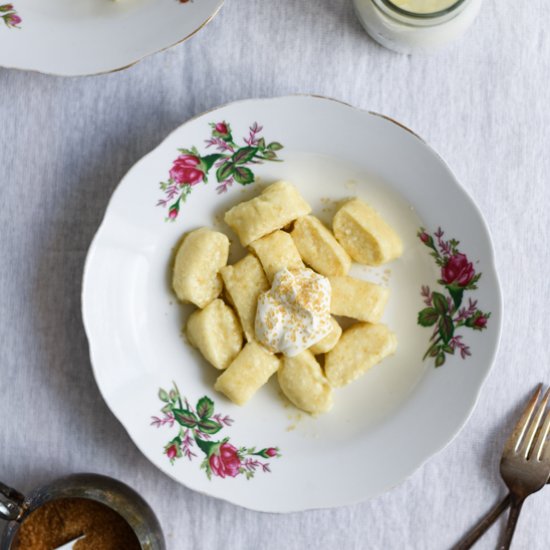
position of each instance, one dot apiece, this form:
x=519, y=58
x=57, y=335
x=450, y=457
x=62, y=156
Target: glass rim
x=430, y=15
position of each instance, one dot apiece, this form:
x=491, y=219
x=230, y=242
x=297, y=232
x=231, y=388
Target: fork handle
x=511, y=525
x=483, y=525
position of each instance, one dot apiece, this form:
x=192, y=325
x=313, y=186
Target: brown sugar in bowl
x=110, y=514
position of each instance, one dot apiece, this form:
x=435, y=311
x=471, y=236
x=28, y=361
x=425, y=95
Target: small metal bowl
x=15, y=507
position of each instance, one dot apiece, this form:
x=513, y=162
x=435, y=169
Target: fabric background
x=484, y=104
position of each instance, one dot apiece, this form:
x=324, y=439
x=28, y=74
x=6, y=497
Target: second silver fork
x=524, y=467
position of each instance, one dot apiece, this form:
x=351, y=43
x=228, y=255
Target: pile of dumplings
x=279, y=232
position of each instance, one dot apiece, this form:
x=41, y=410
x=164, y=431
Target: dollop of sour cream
x=295, y=313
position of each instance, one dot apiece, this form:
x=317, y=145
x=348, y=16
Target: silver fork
x=524, y=467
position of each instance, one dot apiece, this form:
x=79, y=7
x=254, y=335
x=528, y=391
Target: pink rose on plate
x=458, y=270
x=173, y=213
x=226, y=461
x=185, y=171
x=172, y=451
x=12, y=19
x=480, y=322
x=222, y=129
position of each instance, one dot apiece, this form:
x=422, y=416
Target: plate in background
x=445, y=307
x=85, y=37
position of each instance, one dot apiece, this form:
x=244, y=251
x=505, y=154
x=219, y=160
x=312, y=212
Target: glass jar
x=419, y=31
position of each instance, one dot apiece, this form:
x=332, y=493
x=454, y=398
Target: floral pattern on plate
x=444, y=311
x=231, y=162
x=10, y=17
x=195, y=428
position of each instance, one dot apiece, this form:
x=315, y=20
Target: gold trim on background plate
x=129, y=65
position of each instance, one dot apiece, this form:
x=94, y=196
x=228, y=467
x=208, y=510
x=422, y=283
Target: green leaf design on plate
x=209, y=160
x=205, y=407
x=225, y=171
x=440, y=303
x=270, y=155
x=207, y=447
x=446, y=328
x=163, y=395
x=185, y=418
x=243, y=175
x=244, y=155
x=456, y=294
x=208, y=426
x=428, y=317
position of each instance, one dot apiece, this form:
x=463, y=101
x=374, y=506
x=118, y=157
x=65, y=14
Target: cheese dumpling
x=244, y=282
x=277, y=251
x=329, y=341
x=357, y=299
x=303, y=382
x=318, y=247
x=276, y=206
x=367, y=238
x=195, y=277
x=216, y=332
x=248, y=372
x=360, y=348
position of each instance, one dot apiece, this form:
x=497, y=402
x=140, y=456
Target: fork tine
x=540, y=443
x=534, y=426
x=513, y=442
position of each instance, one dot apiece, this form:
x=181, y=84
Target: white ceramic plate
x=384, y=425
x=84, y=37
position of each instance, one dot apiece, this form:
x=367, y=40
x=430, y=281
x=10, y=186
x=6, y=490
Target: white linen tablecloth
x=484, y=104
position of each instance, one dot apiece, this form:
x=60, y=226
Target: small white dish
x=69, y=38
x=268, y=456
